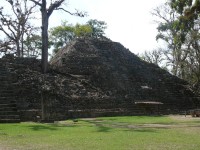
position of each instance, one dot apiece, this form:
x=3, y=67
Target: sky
x=129, y=21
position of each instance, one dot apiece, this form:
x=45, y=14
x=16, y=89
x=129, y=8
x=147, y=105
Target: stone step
x=9, y=97
x=8, y=113
x=5, y=73
x=7, y=94
x=9, y=116
x=8, y=105
x=7, y=83
x=2, y=66
x=6, y=78
x=7, y=101
x=8, y=108
x=9, y=120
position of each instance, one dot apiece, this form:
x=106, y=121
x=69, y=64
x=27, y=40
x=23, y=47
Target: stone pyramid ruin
x=121, y=78
x=90, y=78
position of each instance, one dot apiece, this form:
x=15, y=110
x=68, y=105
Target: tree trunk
x=45, y=21
x=18, y=49
x=22, y=45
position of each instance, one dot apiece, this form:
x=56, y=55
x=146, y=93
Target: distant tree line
x=178, y=27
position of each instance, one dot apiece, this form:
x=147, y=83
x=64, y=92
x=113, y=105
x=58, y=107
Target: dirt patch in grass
x=184, y=118
x=179, y=121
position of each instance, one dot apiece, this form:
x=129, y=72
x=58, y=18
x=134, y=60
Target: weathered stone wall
x=8, y=110
x=91, y=78
x=123, y=76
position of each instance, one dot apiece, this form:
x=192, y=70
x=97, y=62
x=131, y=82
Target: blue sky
x=129, y=21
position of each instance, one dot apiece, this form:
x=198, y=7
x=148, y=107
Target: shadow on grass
x=104, y=127
x=42, y=127
x=51, y=127
x=3, y=133
x=101, y=128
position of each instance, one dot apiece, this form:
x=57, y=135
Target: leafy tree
x=193, y=59
x=166, y=19
x=33, y=45
x=188, y=25
x=189, y=10
x=82, y=30
x=61, y=35
x=98, y=28
x=15, y=25
x=178, y=25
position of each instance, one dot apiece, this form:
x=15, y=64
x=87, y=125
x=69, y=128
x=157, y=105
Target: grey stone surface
x=90, y=78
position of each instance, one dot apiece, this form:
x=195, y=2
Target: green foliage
x=98, y=28
x=61, y=35
x=33, y=45
x=82, y=30
x=188, y=10
x=186, y=25
x=178, y=27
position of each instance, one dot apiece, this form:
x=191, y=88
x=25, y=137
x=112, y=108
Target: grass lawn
x=107, y=133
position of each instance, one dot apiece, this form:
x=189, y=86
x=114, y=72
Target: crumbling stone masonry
x=89, y=78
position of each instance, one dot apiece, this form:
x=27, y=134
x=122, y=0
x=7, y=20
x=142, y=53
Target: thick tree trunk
x=18, y=49
x=22, y=46
x=45, y=21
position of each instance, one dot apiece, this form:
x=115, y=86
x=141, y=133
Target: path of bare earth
x=180, y=121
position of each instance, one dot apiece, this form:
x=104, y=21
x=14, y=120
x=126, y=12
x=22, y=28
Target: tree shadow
x=42, y=127
x=101, y=128
x=51, y=127
x=3, y=133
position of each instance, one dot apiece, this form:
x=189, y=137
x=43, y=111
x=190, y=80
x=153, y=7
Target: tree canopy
x=61, y=35
x=15, y=25
x=178, y=27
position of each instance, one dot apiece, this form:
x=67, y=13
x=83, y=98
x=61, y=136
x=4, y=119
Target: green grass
x=107, y=133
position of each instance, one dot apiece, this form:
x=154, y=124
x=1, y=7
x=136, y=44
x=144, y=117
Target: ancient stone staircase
x=8, y=106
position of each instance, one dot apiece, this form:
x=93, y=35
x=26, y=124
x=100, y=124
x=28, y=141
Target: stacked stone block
x=8, y=105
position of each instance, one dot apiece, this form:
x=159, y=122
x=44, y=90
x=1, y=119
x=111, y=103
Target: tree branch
x=53, y=6
x=3, y=30
x=8, y=24
x=65, y=11
x=77, y=13
x=37, y=3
